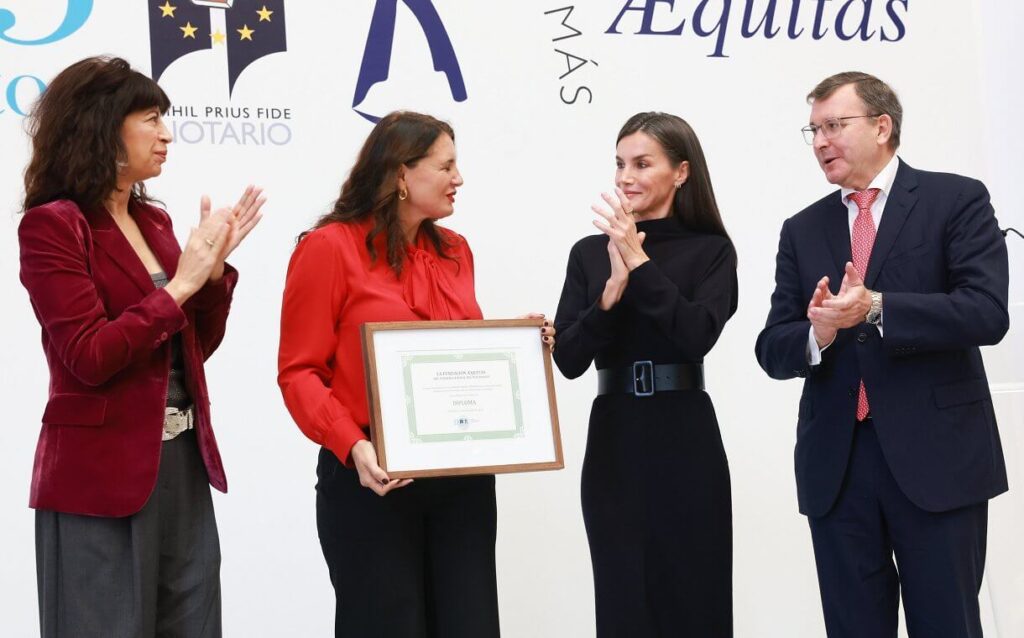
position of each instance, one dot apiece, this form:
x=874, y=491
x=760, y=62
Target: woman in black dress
x=646, y=300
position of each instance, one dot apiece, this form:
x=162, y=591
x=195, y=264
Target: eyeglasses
x=830, y=128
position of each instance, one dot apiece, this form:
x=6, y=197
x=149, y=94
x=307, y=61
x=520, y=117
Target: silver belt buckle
x=643, y=379
x=177, y=421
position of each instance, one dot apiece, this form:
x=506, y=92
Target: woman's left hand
x=547, y=331
x=620, y=227
x=244, y=215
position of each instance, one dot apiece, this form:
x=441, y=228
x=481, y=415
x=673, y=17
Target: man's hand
x=846, y=309
x=823, y=334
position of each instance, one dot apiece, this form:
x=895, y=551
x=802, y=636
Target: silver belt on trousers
x=177, y=421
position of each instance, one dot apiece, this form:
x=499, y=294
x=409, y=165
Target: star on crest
x=167, y=9
x=245, y=33
x=218, y=37
x=264, y=14
x=189, y=31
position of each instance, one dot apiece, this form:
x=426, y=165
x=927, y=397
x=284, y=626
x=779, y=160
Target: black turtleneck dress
x=656, y=495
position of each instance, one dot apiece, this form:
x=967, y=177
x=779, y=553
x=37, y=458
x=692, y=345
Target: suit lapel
x=109, y=238
x=898, y=206
x=159, y=235
x=837, y=233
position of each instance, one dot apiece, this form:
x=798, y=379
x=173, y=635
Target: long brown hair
x=75, y=128
x=371, y=190
x=694, y=203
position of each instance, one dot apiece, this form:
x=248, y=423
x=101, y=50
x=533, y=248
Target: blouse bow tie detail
x=427, y=288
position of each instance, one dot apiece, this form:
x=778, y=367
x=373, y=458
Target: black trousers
x=658, y=511
x=416, y=563
x=153, y=574
x=939, y=556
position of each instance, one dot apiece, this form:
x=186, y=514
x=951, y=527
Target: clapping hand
x=620, y=227
x=824, y=334
x=244, y=216
x=623, y=240
x=829, y=313
x=199, y=257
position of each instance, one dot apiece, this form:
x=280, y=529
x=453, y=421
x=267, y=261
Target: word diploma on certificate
x=453, y=397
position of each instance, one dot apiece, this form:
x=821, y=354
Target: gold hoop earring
x=403, y=194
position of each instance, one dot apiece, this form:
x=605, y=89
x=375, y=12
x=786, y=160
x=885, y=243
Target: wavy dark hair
x=399, y=139
x=75, y=128
x=694, y=203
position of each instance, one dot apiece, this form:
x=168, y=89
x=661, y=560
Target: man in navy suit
x=897, y=449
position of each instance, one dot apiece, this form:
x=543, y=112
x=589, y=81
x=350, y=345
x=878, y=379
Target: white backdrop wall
x=536, y=149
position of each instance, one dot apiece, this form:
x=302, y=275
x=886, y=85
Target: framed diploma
x=461, y=397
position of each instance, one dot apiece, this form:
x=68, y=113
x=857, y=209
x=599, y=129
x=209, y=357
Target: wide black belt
x=644, y=378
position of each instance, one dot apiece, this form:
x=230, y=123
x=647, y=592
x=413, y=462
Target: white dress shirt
x=883, y=182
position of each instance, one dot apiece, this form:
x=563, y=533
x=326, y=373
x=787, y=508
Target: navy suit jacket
x=940, y=262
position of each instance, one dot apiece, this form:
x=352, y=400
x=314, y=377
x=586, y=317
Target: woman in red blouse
x=419, y=562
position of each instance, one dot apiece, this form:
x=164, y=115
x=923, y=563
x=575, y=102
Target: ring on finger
x=210, y=242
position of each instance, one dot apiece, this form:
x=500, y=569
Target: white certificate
x=461, y=397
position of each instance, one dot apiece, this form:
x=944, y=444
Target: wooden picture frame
x=452, y=398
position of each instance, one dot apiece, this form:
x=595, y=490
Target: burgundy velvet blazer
x=106, y=333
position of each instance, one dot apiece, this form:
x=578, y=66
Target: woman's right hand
x=616, y=284
x=620, y=226
x=364, y=456
x=201, y=253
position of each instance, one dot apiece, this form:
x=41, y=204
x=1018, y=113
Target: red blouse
x=332, y=288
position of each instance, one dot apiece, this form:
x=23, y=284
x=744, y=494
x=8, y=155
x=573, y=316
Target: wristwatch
x=874, y=315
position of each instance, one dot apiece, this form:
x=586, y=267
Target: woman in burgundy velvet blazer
x=105, y=334
x=126, y=539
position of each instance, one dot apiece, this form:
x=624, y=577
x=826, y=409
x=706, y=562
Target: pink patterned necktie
x=862, y=241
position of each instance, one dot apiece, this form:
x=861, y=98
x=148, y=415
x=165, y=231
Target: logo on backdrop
x=19, y=90
x=853, y=20
x=376, y=63
x=573, y=88
x=252, y=30
x=847, y=20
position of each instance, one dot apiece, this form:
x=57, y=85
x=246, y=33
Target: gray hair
x=876, y=94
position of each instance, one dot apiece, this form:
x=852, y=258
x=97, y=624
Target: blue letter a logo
x=377, y=55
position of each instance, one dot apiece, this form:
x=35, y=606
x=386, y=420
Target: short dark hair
x=876, y=95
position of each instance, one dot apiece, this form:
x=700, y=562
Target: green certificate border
x=414, y=437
